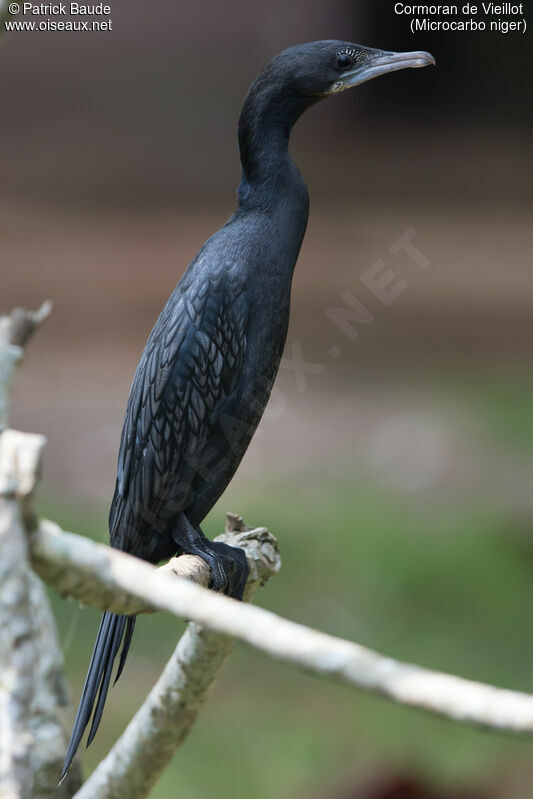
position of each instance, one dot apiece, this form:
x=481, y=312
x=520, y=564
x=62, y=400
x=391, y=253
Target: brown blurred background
x=120, y=159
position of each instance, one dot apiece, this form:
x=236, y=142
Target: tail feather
x=130, y=624
x=110, y=634
x=119, y=624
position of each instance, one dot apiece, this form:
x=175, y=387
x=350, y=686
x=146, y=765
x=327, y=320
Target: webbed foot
x=228, y=565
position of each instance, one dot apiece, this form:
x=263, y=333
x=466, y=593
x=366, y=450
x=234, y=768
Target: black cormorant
x=208, y=366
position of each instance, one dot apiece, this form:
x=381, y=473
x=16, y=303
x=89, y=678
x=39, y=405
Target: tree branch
x=15, y=331
x=113, y=580
x=32, y=740
x=17, y=656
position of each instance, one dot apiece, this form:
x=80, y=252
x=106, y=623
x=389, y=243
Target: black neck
x=267, y=117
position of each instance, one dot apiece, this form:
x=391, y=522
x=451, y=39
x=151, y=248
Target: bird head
x=320, y=69
x=295, y=80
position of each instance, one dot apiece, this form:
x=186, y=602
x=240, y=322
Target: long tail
x=110, y=634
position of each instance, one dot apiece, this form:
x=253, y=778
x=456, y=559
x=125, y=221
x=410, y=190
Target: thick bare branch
x=19, y=464
x=134, y=764
x=17, y=656
x=111, y=579
x=32, y=739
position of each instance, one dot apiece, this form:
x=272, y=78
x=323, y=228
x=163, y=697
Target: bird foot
x=228, y=565
x=229, y=568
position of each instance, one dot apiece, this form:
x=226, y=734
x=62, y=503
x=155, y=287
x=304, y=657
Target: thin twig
x=15, y=331
x=23, y=324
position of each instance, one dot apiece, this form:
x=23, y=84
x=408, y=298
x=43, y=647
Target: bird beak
x=379, y=63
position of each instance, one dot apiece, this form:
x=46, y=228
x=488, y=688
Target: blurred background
x=397, y=469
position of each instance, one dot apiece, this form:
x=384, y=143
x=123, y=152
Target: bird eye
x=343, y=61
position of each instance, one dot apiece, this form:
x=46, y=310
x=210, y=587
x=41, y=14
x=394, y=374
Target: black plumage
x=207, y=369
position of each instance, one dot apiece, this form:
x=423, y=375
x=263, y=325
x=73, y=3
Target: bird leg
x=228, y=565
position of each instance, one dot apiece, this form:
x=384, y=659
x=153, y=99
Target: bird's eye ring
x=343, y=61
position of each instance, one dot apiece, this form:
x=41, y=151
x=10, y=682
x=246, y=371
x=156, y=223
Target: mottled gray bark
x=77, y=567
x=32, y=739
x=17, y=656
x=98, y=575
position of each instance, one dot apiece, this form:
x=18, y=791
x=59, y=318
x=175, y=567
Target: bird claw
x=219, y=581
x=229, y=568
